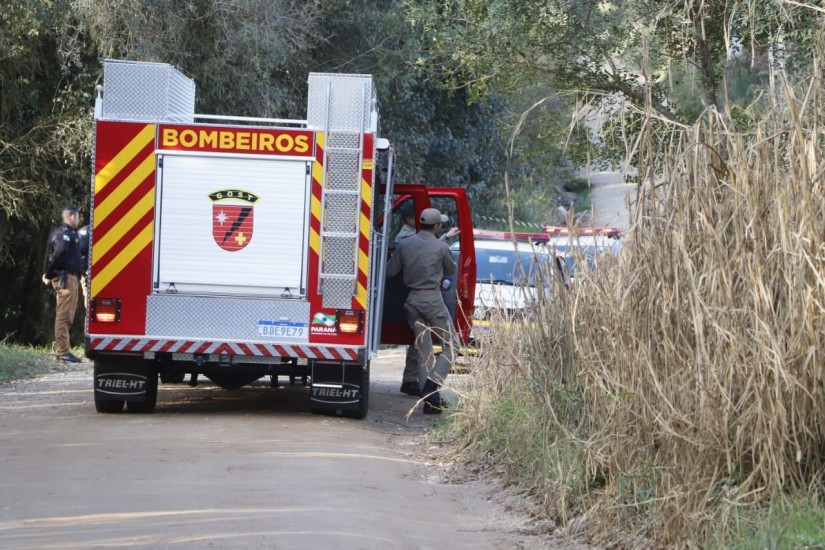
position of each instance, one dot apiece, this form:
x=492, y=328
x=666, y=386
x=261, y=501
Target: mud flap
x=339, y=387
x=122, y=378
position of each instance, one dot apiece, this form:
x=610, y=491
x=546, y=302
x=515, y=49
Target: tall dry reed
x=685, y=378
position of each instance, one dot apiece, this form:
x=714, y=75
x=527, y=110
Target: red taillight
x=106, y=310
x=350, y=321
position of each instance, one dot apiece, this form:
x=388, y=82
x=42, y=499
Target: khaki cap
x=431, y=216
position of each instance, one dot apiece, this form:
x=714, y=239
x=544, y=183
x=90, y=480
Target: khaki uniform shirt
x=406, y=231
x=423, y=259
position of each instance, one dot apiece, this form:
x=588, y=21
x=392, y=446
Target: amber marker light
x=106, y=310
x=350, y=321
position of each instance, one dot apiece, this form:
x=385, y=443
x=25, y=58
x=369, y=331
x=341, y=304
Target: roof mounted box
x=146, y=92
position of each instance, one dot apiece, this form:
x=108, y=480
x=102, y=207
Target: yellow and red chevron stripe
x=315, y=200
x=124, y=199
x=364, y=224
x=360, y=298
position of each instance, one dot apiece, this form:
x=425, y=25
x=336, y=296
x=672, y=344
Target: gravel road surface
x=245, y=469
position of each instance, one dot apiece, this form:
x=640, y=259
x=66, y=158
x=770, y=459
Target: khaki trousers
x=411, y=366
x=427, y=314
x=64, y=317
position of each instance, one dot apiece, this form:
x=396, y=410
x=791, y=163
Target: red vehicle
x=238, y=248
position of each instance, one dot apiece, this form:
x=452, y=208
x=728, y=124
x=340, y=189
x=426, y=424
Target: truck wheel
x=106, y=406
x=364, y=405
x=172, y=376
x=148, y=406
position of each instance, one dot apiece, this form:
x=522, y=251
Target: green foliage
x=247, y=57
x=671, y=57
x=795, y=522
x=530, y=423
x=24, y=362
x=47, y=76
x=440, y=138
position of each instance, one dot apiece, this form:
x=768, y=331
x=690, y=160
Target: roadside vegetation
x=675, y=396
x=18, y=362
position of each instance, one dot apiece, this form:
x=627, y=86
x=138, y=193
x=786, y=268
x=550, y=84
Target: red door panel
x=459, y=297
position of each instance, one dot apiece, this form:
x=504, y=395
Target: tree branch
x=634, y=94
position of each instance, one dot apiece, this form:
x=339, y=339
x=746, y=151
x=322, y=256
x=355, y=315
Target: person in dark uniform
x=424, y=260
x=83, y=233
x=63, y=269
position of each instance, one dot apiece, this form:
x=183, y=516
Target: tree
x=248, y=57
x=45, y=121
x=607, y=47
x=440, y=137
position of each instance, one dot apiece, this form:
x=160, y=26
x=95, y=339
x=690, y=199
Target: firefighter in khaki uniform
x=410, y=381
x=63, y=268
x=424, y=260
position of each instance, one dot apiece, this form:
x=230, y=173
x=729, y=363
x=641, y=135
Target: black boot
x=433, y=404
x=411, y=388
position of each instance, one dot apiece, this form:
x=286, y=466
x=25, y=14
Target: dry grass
x=685, y=381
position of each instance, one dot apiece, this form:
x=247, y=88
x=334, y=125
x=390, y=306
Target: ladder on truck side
x=344, y=106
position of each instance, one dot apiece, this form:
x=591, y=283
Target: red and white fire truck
x=239, y=248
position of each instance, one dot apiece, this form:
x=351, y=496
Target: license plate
x=282, y=329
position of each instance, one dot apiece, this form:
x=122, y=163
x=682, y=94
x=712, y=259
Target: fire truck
x=239, y=248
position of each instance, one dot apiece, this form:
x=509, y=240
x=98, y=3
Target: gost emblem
x=232, y=218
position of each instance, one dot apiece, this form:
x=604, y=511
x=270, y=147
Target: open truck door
x=459, y=292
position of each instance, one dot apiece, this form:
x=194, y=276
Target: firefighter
x=424, y=260
x=410, y=383
x=63, y=269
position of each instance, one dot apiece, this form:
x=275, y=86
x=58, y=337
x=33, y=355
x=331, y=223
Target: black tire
x=105, y=406
x=147, y=406
x=364, y=404
x=172, y=377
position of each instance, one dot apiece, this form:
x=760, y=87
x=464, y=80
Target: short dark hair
x=407, y=210
x=72, y=209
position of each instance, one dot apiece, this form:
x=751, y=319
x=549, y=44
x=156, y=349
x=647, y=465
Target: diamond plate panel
x=338, y=293
x=339, y=255
x=352, y=101
x=220, y=318
x=344, y=139
x=342, y=170
x=147, y=92
x=340, y=215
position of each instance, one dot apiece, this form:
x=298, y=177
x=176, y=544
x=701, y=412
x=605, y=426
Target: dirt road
x=608, y=198
x=244, y=469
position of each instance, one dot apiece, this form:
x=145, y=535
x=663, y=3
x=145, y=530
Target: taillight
x=350, y=321
x=106, y=310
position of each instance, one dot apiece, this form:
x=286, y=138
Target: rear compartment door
x=459, y=297
x=232, y=226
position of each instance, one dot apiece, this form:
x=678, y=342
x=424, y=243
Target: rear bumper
x=96, y=344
